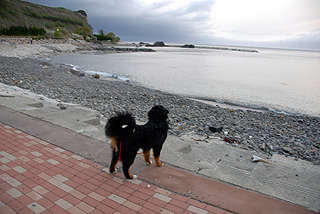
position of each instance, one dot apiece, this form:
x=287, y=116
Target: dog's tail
x=121, y=124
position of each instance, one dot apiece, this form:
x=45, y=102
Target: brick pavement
x=38, y=177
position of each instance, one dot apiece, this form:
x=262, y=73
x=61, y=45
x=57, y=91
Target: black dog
x=127, y=137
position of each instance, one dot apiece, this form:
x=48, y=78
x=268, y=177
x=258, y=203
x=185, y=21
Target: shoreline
x=225, y=105
x=23, y=48
x=290, y=135
x=115, y=77
x=216, y=48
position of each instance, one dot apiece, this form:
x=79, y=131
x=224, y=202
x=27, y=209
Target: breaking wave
x=102, y=74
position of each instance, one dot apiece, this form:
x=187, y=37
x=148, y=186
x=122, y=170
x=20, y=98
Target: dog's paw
x=113, y=171
x=159, y=164
x=134, y=177
x=149, y=162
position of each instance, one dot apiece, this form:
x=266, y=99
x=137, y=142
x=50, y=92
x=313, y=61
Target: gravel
x=291, y=135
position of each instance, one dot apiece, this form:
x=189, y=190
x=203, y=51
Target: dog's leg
x=146, y=154
x=127, y=161
x=114, y=161
x=156, y=154
x=127, y=173
x=114, y=144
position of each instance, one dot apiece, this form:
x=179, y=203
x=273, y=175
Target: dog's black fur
x=127, y=137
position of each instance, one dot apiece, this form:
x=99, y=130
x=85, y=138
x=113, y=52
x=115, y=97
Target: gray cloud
x=138, y=29
x=153, y=23
x=310, y=41
x=200, y=6
x=133, y=21
x=160, y=5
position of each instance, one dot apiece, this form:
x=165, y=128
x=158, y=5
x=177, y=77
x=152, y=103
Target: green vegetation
x=60, y=33
x=84, y=31
x=57, y=22
x=20, y=18
x=22, y=31
x=107, y=37
x=82, y=12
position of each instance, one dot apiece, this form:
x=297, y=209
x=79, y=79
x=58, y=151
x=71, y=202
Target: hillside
x=17, y=13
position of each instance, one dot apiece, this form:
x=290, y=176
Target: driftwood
x=255, y=158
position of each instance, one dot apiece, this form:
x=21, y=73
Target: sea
x=282, y=81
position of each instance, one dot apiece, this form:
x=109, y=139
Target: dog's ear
x=152, y=110
x=163, y=109
x=158, y=112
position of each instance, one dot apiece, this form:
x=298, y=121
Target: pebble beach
x=297, y=136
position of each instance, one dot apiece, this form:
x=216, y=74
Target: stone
x=287, y=150
x=96, y=76
x=62, y=106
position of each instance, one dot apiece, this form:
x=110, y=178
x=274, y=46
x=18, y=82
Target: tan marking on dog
x=114, y=167
x=113, y=144
x=158, y=162
x=130, y=175
x=146, y=155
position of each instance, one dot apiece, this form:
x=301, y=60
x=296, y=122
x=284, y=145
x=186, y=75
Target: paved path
x=38, y=177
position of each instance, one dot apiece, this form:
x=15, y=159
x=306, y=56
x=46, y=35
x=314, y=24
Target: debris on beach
x=97, y=76
x=62, y=106
x=9, y=96
x=17, y=82
x=255, y=158
x=231, y=140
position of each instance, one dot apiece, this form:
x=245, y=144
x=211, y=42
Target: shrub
x=102, y=37
x=48, y=25
x=82, y=12
x=116, y=39
x=22, y=31
x=83, y=31
x=60, y=33
x=57, y=33
x=107, y=37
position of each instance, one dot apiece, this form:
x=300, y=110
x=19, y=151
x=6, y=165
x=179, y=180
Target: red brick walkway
x=38, y=177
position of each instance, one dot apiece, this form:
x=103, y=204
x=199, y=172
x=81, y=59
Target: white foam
x=125, y=79
x=278, y=111
x=103, y=74
x=74, y=67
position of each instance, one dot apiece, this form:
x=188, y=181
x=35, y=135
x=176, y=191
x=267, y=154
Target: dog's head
x=158, y=112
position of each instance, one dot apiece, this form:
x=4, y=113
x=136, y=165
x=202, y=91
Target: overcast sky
x=259, y=23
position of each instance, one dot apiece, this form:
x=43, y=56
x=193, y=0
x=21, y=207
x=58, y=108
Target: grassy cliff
x=20, y=13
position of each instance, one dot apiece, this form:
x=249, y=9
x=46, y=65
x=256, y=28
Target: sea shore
x=290, y=135
x=30, y=48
